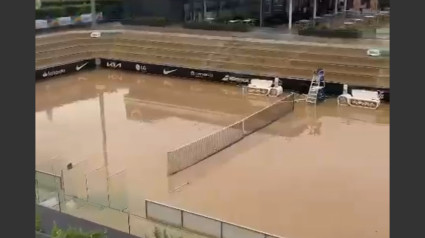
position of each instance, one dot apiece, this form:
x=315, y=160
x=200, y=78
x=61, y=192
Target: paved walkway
x=261, y=33
x=256, y=34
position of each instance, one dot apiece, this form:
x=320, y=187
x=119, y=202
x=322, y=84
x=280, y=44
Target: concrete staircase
x=343, y=65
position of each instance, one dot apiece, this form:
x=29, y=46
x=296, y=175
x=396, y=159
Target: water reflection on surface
x=319, y=172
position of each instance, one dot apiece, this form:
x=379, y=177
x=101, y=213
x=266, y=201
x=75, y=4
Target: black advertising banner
x=65, y=69
x=169, y=71
x=297, y=85
x=173, y=71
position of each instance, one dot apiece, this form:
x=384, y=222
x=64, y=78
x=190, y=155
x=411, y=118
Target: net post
x=37, y=193
x=62, y=183
x=59, y=202
x=108, y=189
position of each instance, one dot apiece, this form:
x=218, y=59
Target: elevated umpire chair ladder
x=314, y=89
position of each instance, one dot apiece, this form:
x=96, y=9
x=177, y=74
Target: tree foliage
x=74, y=233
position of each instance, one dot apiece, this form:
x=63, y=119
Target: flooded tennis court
x=106, y=122
x=318, y=172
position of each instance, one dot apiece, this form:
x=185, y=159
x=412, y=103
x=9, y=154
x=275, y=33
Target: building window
x=267, y=7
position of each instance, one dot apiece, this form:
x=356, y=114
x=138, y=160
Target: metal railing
x=200, y=223
x=68, y=196
x=88, y=190
x=50, y=190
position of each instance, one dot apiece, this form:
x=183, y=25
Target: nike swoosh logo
x=78, y=67
x=169, y=71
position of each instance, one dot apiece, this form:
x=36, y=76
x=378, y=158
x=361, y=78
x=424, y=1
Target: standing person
x=321, y=75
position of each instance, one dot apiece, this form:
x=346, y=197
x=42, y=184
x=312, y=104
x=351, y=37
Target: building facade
x=270, y=10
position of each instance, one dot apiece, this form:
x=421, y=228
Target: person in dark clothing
x=321, y=74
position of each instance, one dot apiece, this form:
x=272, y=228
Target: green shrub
x=165, y=235
x=157, y=233
x=76, y=10
x=51, y=12
x=75, y=2
x=384, y=3
x=62, y=11
x=214, y=26
x=74, y=233
x=323, y=27
x=37, y=223
x=56, y=231
x=111, y=11
x=63, y=3
x=146, y=21
x=324, y=32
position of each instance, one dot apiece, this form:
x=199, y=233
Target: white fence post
x=129, y=223
x=182, y=220
x=221, y=229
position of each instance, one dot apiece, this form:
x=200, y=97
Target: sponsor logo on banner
x=79, y=67
x=201, y=74
x=114, y=65
x=166, y=71
x=228, y=78
x=85, y=18
x=41, y=24
x=53, y=73
x=64, y=21
x=141, y=68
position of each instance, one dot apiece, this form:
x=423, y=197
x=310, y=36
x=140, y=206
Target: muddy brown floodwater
x=320, y=172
